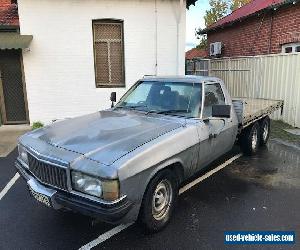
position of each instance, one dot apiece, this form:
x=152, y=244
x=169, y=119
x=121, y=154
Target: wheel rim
x=162, y=199
x=254, y=140
x=265, y=132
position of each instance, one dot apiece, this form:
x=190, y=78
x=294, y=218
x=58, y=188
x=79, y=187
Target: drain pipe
x=178, y=18
x=156, y=37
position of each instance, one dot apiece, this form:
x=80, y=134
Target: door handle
x=212, y=136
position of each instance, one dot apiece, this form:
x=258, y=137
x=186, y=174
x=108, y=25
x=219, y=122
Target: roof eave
x=190, y=2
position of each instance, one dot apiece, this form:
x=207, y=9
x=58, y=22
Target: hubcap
x=162, y=199
x=254, y=139
x=265, y=132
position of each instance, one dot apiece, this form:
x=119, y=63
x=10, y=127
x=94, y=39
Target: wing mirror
x=221, y=111
x=113, y=98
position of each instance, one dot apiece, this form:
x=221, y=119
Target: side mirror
x=221, y=111
x=113, y=98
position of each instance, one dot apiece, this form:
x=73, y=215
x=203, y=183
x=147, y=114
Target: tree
x=235, y=4
x=203, y=42
x=218, y=9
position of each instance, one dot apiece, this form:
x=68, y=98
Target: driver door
x=212, y=147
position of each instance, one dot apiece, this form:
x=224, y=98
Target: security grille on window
x=109, y=53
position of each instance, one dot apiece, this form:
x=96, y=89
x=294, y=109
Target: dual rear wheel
x=254, y=136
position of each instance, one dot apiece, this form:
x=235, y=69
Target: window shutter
x=109, y=54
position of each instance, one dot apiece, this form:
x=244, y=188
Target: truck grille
x=48, y=173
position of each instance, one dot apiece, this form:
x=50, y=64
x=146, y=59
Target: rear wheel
x=250, y=139
x=159, y=201
x=264, y=130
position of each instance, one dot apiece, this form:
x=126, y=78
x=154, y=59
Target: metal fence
x=199, y=67
x=269, y=76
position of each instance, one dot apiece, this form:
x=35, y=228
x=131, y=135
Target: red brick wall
x=2, y=2
x=255, y=35
x=8, y=13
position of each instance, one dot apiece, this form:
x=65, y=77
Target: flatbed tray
x=250, y=110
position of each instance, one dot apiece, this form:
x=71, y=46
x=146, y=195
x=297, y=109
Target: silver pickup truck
x=128, y=162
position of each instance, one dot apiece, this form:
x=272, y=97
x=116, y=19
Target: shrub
x=37, y=125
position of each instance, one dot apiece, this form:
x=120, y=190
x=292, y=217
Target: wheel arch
x=175, y=165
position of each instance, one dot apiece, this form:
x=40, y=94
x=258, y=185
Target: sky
x=194, y=20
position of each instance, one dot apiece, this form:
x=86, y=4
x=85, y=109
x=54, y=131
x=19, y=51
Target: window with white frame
x=291, y=48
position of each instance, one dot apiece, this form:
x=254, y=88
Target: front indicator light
x=110, y=190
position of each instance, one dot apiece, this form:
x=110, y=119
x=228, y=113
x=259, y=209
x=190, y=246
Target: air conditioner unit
x=215, y=48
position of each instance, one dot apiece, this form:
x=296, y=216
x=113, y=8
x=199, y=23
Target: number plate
x=40, y=197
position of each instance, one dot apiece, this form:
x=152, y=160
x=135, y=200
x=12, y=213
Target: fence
x=199, y=67
x=269, y=76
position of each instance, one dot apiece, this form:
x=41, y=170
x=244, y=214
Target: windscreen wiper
x=132, y=107
x=171, y=111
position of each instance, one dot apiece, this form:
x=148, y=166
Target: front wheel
x=250, y=139
x=159, y=201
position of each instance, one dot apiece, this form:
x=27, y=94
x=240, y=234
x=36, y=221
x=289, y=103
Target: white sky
x=194, y=19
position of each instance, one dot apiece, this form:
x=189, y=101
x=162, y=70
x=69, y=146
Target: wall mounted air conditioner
x=215, y=48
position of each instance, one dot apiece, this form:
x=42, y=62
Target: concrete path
x=8, y=137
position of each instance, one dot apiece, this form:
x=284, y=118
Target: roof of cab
x=185, y=78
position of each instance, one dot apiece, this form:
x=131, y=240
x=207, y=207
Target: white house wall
x=59, y=68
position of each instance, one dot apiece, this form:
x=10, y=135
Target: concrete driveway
x=8, y=137
x=252, y=193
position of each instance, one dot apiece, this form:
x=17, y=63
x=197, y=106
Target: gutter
x=271, y=7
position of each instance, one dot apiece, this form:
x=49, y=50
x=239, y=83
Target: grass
x=37, y=125
x=277, y=131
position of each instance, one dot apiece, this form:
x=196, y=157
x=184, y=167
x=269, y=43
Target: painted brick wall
x=59, y=68
x=256, y=36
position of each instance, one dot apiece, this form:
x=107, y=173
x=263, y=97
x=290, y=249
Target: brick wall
x=258, y=35
x=2, y=2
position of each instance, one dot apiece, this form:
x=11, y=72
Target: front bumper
x=111, y=212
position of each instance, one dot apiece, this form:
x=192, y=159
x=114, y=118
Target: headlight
x=23, y=154
x=108, y=190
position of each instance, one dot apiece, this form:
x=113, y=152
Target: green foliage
x=218, y=9
x=203, y=42
x=37, y=125
x=235, y=4
x=277, y=131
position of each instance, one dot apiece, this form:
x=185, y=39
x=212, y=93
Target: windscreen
x=176, y=98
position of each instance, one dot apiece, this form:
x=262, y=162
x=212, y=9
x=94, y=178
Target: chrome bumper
x=112, y=213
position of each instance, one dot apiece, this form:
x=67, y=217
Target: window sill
x=110, y=86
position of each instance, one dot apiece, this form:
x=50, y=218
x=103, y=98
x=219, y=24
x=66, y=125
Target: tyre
x=249, y=139
x=264, y=133
x=159, y=201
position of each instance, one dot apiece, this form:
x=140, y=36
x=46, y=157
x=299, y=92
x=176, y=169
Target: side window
x=291, y=48
x=213, y=96
x=288, y=50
